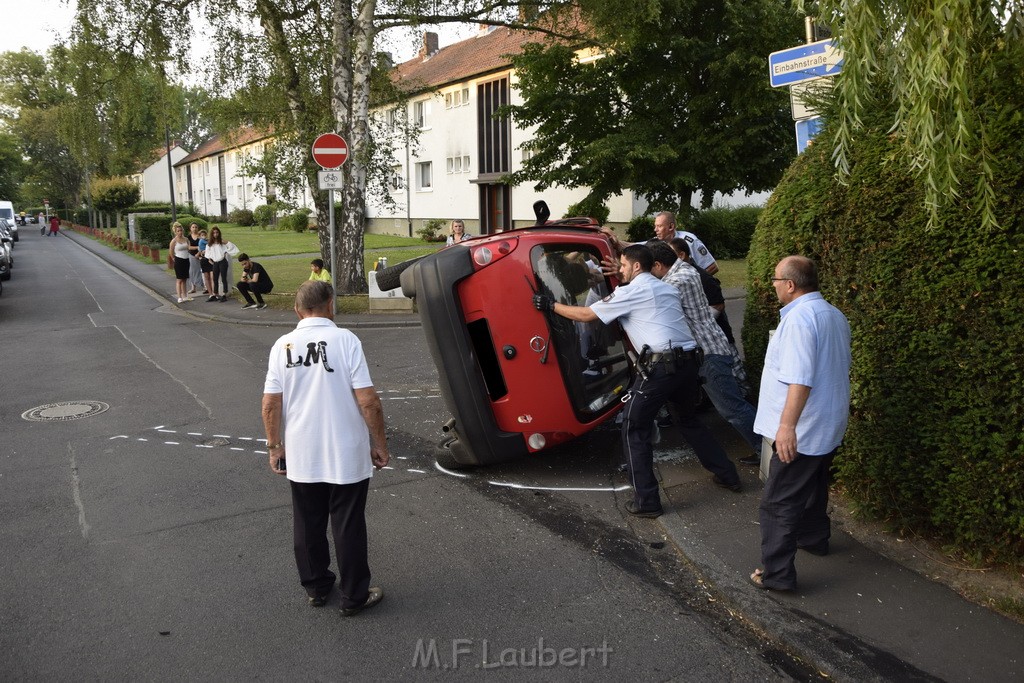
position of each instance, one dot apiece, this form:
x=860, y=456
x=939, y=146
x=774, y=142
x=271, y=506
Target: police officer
x=652, y=317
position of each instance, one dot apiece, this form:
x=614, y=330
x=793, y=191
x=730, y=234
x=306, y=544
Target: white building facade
x=153, y=180
x=214, y=181
x=462, y=151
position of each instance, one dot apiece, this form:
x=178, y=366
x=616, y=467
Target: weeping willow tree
x=935, y=55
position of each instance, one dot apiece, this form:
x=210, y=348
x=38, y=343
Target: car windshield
x=6, y=213
x=591, y=355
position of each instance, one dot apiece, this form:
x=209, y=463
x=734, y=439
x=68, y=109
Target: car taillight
x=485, y=255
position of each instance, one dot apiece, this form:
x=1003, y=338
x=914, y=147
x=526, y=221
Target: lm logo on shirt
x=316, y=352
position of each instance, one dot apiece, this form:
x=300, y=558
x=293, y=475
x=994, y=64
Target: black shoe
x=212, y=298
x=223, y=299
x=261, y=306
x=752, y=459
x=631, y=508
x=735, y=487
x=664, y=421
x=375, y=596
x=317, y=600
x=248, y=306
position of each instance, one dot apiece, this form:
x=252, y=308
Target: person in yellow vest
x=318, y=272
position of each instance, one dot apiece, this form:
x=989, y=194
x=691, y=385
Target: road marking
x=172, y=443
x=417, y=471
x=76, y=494
x=529, y=487
x=195, y=433
x=119, y=436
x=168, y=431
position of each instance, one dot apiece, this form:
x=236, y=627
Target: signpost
x=805, y=132
x=330, y=151
x=804, y=63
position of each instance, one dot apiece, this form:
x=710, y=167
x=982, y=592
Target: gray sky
x=36, y=24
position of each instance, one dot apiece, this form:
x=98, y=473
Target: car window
x=591, y=355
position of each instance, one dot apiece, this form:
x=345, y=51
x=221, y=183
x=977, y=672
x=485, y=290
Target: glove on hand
x=543, y=303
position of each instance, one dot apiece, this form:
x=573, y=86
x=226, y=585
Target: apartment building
x=152, y=178
x=462, y=152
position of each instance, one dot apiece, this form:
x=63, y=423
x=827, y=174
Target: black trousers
x=255, y=288
x=681, y=390
x=793, y=514
x=220, y=272
x=345, y=505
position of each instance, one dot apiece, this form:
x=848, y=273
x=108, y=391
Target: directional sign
x=330, y=150
x=804, y=63
x=805, y=132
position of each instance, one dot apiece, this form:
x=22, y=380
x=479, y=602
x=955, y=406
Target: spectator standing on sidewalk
x=178, y=253
x=195, y=271
x=803, y=408
x=255, y=282
x=716, y=371
x=217, y=251
x=54, y=225
x=205, y=266
x=318, y=389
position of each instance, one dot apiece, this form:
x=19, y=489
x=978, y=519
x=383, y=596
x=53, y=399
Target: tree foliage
x=670, y=99
x=113, y=195
x=930, y=58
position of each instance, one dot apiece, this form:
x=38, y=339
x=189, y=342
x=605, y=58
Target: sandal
x=757, y=581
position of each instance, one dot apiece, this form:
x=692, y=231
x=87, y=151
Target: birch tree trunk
x=350, y=103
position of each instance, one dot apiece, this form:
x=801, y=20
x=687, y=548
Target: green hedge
x=727, y=231
x=155, y=230
x=937, y=407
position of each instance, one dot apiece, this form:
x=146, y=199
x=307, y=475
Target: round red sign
x=330, y=150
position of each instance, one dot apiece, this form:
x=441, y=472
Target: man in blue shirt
x=803, y=408
x=651, y=315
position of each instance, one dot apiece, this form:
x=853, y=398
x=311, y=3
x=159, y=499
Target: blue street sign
x=804, y=63
x=805, y=132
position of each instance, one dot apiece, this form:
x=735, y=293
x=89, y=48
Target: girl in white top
x=458, y=233
x=178, y=248
x=217, y=252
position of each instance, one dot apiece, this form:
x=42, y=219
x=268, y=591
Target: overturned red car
x=515, y=380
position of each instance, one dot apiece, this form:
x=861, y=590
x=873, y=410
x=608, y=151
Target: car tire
x=446, y=457
x=388, y=278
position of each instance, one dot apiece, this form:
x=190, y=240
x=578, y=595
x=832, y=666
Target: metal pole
x=809, y=30
x=170, y=172
x=334, y=272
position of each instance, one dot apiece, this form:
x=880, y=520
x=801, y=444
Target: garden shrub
x=433, y=230
x=265, y=214
x=640, y=229
x=242, y=217
x=727, y=230
x=935, y=440
x=589, y=208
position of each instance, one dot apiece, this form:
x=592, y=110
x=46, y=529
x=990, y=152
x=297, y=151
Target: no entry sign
x=330, y=150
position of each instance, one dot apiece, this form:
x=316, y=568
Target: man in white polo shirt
x=318, y=390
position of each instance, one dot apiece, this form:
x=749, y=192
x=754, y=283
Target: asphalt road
x=149, y=540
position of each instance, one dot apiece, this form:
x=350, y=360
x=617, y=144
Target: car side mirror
x=541, y=211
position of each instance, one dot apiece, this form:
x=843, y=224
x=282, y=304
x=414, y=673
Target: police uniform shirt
x=650, y=313
x=315, y=367
x=698, y=252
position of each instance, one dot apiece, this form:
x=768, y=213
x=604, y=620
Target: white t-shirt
x=315, y=368
x=698, y=252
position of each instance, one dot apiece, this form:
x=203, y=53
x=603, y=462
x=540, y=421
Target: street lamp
x=167, y=143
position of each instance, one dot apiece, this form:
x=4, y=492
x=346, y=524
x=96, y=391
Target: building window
x=450, y=165
x=206, y=165
x=231, y=190
x=424, y=175
x=465, y=164
x=493, y=132
x=396, y=181
x=448, y=100
x=421, y=113
x=465, y=95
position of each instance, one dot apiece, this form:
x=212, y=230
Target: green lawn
x=732, y=272
x=256, y=242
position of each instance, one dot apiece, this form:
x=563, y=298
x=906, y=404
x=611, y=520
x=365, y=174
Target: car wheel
x=388, y=278
x=445, y=455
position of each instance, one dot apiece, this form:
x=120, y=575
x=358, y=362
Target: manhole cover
x=65, y=410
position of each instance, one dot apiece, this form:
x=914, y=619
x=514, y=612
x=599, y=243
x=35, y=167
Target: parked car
x=12, y=226
x=6, y=250
x=517, y=381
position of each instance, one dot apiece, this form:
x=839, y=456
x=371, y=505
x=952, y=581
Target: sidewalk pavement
x=856, y=615
x=158, y=280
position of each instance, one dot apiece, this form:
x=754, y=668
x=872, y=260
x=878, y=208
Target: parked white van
x=6, y=210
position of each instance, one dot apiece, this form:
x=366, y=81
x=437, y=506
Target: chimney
x=429, y=44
